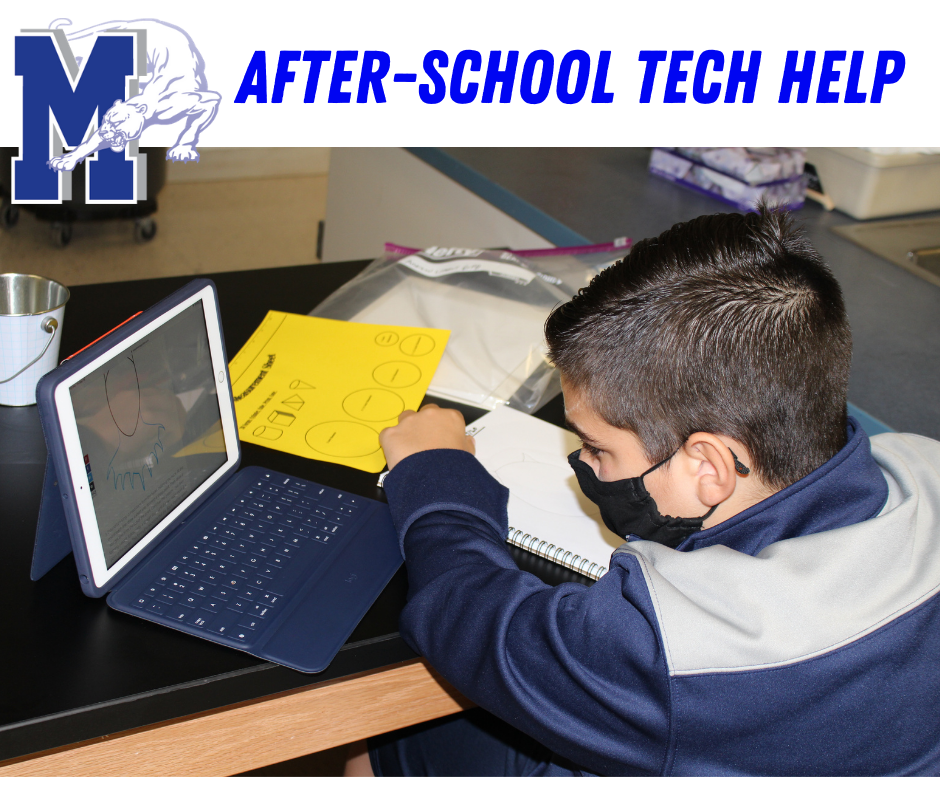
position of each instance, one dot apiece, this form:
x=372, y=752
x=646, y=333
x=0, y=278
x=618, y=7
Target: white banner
x=491, y=72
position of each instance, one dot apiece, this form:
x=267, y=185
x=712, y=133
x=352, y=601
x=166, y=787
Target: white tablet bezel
x=65, y=414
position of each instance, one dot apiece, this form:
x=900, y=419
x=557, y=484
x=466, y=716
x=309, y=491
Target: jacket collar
x=847, y=489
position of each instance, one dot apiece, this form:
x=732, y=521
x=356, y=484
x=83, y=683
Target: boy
x=778, y=613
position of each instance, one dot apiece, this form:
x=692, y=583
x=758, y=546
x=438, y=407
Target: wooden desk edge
x=245, y=736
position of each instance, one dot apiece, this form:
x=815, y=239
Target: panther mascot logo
x=174, y=89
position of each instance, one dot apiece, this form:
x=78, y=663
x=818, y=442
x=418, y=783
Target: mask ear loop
x=739, y=467
x=660, y=464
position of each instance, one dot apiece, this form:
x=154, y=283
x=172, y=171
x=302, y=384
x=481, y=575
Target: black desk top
x=73, y=669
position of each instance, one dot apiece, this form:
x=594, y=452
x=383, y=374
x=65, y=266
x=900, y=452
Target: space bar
x=300, y=568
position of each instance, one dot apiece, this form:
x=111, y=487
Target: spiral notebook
x=548, y=513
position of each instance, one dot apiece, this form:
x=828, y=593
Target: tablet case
x=53, y=542
x=57, y=531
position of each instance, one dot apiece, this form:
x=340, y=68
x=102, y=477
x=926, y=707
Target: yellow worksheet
x=325, y=389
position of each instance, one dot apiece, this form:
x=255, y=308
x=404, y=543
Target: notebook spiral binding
x=556, y=554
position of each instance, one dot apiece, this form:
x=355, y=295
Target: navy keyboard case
x=320, y=608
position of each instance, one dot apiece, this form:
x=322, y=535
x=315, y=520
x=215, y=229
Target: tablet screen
x=150, y=429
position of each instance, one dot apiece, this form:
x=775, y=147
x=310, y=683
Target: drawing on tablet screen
x=123, y=397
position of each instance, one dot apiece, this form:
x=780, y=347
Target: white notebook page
x=529, y=456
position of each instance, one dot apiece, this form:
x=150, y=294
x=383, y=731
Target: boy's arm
x=580, y=669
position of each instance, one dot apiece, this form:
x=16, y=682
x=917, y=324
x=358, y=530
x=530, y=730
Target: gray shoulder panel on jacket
x=720, y=610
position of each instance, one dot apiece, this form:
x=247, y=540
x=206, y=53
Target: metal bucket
x=31, y=313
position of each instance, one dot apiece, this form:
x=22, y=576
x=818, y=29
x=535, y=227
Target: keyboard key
x=238, y=605
x=270, y=599
x=140, y=602
x=268, y=571
x=251, y=594
x=241, y=635
x=278, y=560
x=223, y=623
x=224, y=594
x=251, y=624
x=200, y=620
x=259, y=582
x=178, y=613
x=212, y=605
x=264, y=550
x=201, y=589
x=261, y=611
x=169, y=599
x=322, y=538
x=191, y=601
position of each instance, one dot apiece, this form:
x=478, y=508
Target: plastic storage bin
x=867, y=185
x=737, y=176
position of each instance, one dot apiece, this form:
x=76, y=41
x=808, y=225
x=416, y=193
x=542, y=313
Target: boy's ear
x=712, y=464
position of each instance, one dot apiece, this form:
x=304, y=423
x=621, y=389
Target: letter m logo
x=64, y=103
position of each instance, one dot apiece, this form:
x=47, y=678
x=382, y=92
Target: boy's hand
x=430, y=428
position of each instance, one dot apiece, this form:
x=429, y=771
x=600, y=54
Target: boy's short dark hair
x=730, y=324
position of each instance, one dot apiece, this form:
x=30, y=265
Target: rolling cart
x=62, y=217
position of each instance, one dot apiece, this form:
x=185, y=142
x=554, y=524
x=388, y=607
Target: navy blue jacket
x=799, y=637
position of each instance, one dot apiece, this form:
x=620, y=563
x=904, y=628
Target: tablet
x=142, y=428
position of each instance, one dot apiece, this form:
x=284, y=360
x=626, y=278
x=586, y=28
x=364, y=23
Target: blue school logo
x=91, y=93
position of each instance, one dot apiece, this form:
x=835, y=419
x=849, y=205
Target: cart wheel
x=61, y=233
x=144, y=230
x=9, y=215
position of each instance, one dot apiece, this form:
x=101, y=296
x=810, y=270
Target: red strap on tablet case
x=103, y=336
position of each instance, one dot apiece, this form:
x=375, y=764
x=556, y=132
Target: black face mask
x=628, y=508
